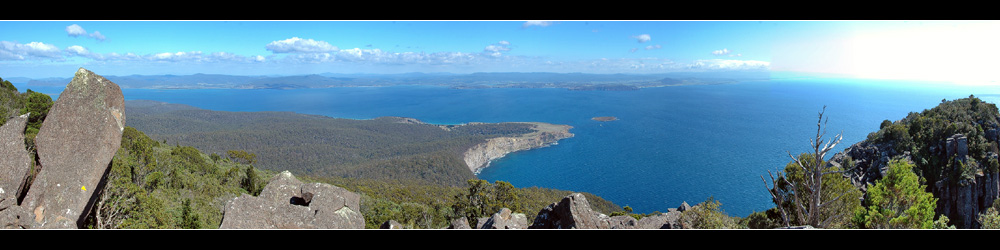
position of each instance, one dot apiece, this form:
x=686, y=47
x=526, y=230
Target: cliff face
x=479, y=156
x=955, y=146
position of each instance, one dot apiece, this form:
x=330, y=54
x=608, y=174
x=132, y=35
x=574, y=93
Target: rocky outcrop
x=572, y=212
x=506, y=219
x=545, y=134
x=960, y=199
x=286, y=202
x=15, y=160
x=75, y=145
x=459, y=223
x=870, y=161
x=669, y=220
x=622, y=222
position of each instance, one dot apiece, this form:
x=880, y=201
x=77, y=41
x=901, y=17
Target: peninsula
x=384, y=147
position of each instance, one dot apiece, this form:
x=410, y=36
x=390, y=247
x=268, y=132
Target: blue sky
x=923, y=50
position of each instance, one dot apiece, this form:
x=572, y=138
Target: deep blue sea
x=670, y=144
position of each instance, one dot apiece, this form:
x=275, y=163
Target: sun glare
x=958, y=52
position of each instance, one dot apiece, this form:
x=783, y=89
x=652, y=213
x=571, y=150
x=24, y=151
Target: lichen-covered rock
x=75, y=144
x=573, y=212
x=506, y=219
x=286, y=202
x=15, y=161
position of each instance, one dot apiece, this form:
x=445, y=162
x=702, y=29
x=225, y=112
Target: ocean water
x=670, y=144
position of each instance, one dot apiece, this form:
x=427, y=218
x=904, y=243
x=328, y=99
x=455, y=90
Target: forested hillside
x=383, y=148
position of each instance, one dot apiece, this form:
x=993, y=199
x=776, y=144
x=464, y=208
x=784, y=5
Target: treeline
x=318, y=145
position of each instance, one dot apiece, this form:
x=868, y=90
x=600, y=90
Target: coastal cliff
x=479, y=156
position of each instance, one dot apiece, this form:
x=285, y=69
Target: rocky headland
x=544, y=135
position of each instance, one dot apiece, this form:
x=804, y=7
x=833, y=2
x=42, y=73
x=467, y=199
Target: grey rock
x=572, y=212
x=481, y=221
x=391, y=224
x=14, y=217
x=506, y=219
x=669, y=220
x=286, y=202
x=622, y=222
x=75, y=144
x=684, y=207
x=460, y=223
x=15, y=161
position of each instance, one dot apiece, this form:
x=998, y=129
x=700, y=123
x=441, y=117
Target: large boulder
x=15, y=161
x=286, y=202
x=506, y=219
x=75, y=144
x=573, y=212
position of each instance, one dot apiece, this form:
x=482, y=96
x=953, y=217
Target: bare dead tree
x=809, y=209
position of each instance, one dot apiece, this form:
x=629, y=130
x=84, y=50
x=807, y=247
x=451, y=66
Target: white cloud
x=299, y=45
x=721, y=64
x=536, y=23
x=495, y=49
x=652, y=47
x=643, y=38
x=633, y=50
x=18, y=51
x=721, y=52
x=97, y=35
x=77, y=50
x=75, y=31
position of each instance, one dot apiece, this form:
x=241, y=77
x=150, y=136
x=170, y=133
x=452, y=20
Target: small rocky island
x=605, y=118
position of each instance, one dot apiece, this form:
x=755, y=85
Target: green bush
x=898, y=200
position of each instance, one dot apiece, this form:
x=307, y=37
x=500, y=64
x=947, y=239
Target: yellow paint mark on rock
x=84, y=188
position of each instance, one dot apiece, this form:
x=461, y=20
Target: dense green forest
x=384, y=148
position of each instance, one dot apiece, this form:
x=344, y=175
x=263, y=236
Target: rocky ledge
x=479, y=156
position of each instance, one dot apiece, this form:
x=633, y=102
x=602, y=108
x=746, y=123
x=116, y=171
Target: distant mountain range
x=575, y=81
